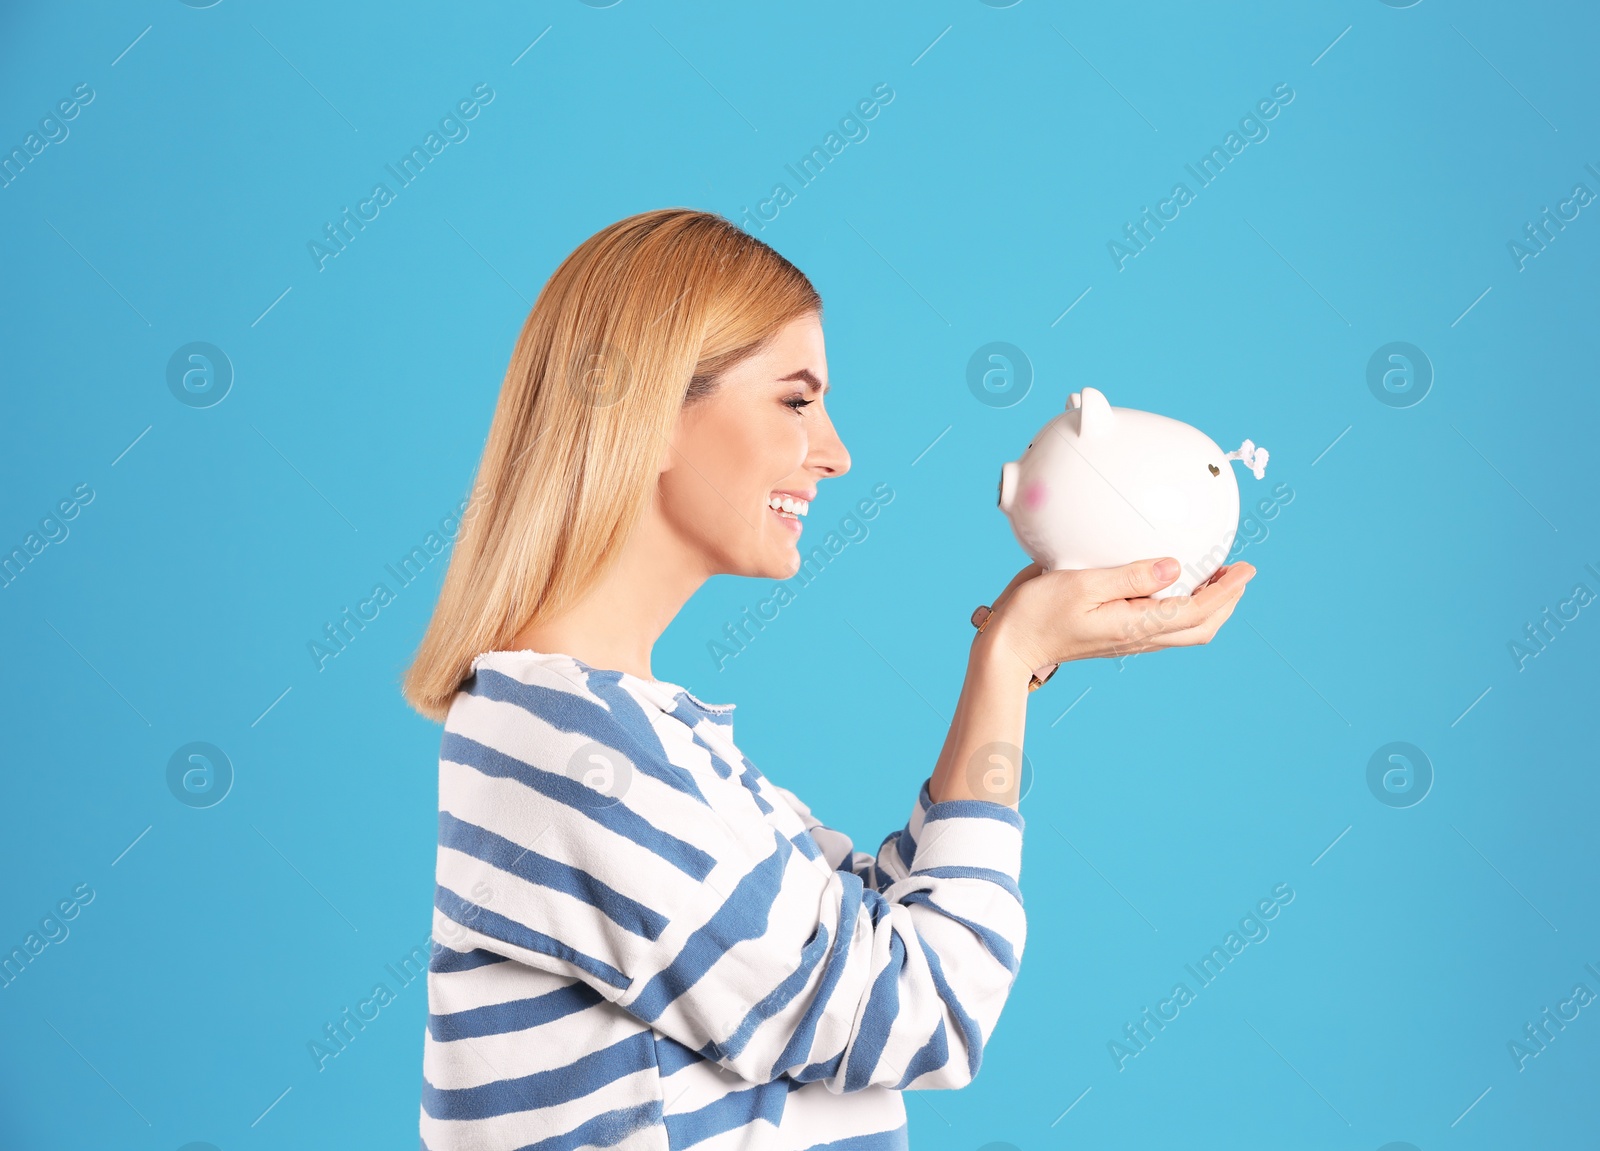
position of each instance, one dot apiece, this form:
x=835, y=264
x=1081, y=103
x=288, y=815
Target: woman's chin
x=779, y=564
x=775, y=563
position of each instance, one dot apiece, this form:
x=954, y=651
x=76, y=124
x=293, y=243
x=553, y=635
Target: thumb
x=1131, y=581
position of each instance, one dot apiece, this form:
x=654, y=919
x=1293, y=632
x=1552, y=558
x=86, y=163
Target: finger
x=1245, y=571
x=1248, y=570
x=1226, y=582
x=1228, y=587
x=1211, y=579
x=1130, y=581
x=1200, y=634
x=1191, y=637
x=1150, y=618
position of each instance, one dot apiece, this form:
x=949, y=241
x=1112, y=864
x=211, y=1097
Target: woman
x=640, y=940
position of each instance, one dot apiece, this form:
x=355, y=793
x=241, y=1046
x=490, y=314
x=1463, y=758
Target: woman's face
x=762, y=437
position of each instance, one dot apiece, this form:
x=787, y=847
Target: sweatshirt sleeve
x=894, y=856
x=677, y=902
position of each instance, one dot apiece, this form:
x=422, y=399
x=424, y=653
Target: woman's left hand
x=1060, y=615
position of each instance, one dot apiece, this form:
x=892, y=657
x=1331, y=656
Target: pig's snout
x=1008, y=487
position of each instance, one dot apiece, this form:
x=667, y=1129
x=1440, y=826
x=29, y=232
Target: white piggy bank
x=1102, y=486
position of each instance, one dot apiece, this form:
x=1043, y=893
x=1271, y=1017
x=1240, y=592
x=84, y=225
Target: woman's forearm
x=982, y=754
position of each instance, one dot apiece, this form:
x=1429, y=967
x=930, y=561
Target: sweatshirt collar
x=670, y=698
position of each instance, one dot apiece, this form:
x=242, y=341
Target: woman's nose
x=827, y=452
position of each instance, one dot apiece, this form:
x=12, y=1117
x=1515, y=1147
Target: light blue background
x=1172, y=797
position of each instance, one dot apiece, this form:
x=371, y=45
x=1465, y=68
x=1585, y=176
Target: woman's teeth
x=789, y=506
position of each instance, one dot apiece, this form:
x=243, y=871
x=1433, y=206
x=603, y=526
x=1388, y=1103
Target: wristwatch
x=1034, y=682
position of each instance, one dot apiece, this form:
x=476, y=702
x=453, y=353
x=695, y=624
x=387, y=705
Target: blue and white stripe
x=696, y=961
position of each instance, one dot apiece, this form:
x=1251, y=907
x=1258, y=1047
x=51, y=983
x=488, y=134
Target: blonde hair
x=636, y=323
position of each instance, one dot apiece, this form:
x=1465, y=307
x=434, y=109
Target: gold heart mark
x=1214, y=469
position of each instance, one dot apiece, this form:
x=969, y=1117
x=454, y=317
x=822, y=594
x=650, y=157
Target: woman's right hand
x=1046, y=618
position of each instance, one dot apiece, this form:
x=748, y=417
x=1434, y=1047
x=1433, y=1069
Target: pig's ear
x=1094, y=414
x=1074, y=402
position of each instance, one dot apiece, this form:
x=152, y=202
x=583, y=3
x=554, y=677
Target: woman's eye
x=798, y=404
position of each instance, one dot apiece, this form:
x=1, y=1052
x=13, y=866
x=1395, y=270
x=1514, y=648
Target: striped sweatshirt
x=642, y=942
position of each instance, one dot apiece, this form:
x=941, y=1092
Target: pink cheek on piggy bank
x=1035, y=496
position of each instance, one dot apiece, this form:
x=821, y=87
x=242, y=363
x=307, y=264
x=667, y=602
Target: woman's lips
x=791, y=522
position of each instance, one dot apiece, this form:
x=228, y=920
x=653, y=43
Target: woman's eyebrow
x=810, y=379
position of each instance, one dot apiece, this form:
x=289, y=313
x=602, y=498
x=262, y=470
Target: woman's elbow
x=947, y=1061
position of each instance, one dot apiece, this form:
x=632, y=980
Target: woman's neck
x=616, y=623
